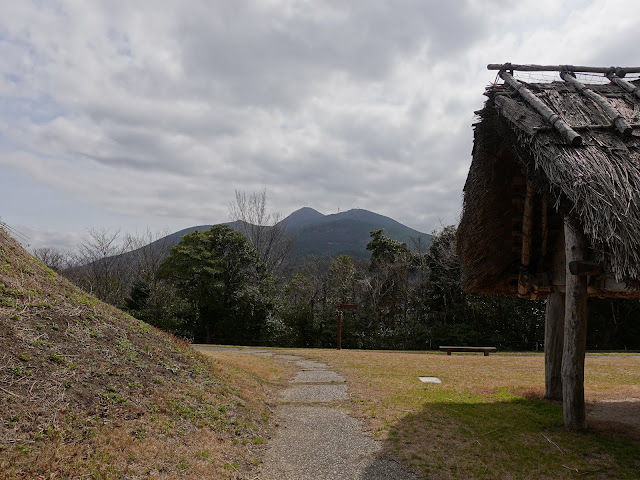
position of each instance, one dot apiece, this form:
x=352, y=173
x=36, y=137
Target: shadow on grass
x=518, y=438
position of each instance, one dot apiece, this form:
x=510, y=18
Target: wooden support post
x=544, y=224
x=339, y=333
x=575, y=334
x=525, y=253
x=553, y=346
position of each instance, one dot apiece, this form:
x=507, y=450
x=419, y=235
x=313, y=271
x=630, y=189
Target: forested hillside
x=220, y=286
x=318, y=235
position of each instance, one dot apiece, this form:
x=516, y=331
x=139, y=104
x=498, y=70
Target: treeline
x=216, y=287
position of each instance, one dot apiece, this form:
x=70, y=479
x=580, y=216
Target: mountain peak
x=300, y=218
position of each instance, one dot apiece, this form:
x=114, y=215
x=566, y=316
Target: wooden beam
x=527, y=229
x=570, y=135
x=575, y=334
x=553, y=346
x=544, y=225
x=628, y=87
x=580, y=128
x=616, y=118
x=619, y=71
x=585, y=268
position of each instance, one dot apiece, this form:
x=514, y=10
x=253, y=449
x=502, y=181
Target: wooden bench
x=484, y=350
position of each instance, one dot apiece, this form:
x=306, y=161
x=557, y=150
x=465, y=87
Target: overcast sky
x=149, y=114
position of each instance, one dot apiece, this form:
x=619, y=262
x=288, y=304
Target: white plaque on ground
x=430, y=380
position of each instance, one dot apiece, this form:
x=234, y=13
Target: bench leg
x=486, y=354
x=448, y=352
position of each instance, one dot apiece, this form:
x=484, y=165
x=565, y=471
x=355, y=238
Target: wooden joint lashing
x=585, y=268
x=616, y=118
x=572, y=137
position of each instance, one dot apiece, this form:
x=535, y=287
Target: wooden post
x=553, y=346
x=575, y=334
x=339, y=339
x=527, y=228
x=544, y=224
x=342, y=306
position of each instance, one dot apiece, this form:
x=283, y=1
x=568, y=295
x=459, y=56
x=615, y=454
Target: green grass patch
x=487, y=419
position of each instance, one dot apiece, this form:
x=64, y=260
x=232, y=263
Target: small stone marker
x=430, y=380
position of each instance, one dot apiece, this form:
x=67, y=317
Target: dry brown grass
x=89, y=392
x=488, y=419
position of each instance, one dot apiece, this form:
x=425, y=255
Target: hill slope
x=327, y=235
x=87, y=391
x=344, y=233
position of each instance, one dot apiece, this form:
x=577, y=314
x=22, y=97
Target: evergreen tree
x=221, y=277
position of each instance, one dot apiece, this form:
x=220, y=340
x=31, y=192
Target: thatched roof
x=594, y=180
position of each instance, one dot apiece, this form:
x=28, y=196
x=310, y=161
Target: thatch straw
x=597, y=185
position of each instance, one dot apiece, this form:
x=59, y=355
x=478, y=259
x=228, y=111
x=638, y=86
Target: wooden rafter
x=616, y=118
x=571, y=136
x=628, y=87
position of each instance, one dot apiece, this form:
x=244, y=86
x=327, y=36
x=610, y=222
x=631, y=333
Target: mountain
x=301, y=218
x=345, y=233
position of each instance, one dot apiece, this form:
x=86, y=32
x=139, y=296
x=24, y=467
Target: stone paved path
x=317, y=438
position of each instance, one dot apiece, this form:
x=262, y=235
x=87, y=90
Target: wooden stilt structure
x=553, y=346
x=575, y=334
x=552, y=204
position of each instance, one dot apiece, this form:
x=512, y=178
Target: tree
x=55, y=259
x=264, y=231
x=223, y=279
x=151, y=299
x=444, y=291
x=388, y=281
x=99, y=266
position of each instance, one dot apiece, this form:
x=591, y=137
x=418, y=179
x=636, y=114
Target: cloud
x=154, y=112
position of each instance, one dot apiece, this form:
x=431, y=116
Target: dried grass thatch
x=596, y=185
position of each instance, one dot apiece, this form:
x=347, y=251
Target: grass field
x=487, y=419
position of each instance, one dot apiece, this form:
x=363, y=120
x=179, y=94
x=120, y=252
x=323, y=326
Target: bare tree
x=53, y=258
x=265, y=231
x=99, y=266
x=148, y=251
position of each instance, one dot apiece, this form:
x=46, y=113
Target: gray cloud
x=153, y=113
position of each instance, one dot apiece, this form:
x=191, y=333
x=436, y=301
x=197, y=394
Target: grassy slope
x=87, y=391
x=488, y=419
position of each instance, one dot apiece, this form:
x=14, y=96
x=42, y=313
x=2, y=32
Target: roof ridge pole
x=570, y=135
x=614, y=115
x=557, y=68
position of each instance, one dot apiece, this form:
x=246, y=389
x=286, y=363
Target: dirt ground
x=620, y=416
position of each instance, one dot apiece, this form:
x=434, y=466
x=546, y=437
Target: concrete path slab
x=317, y=438
x=311, y=365
x=316, y=441
x=317, y=376
x=334, y=447
x=316, y=393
